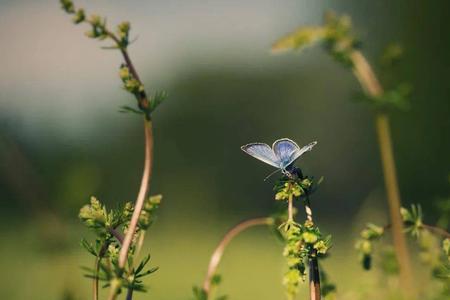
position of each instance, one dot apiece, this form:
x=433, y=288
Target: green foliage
x=97, y=218
x=106, y=225
x=130, y=83
x=337, y=38
x=296, y=187
x=391, y=55
x=388, y=262
x=364, y=244
x=335, y=35
x=200, y=294
x=443, y=207
x=121, y=39
x=147, y=216
x=398, y=97
x=67, y=6
x=432, y=254
x=412, y=219
x=98, y=28
x=303, y=242
x=123, y=34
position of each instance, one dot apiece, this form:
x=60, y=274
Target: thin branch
x=371, y=86
x=97, y=269
x=137, y=251
x=142, y=99
x=141, y=196
x=98, y=259
x=117, y=235
x=437, y=230
x=218, y=252
x=148, y=163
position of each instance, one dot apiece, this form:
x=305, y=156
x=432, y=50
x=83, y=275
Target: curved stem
x=437, y=230
x=141, y=196
x=371, y=86
x=117, y=235
x=218, y=252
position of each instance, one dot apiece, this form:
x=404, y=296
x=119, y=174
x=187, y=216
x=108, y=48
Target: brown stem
x=148, y=162
x=314, y=277
x=218, y=252
x=142, y=98
x=290, y=209
x=117, y=235
x=139, y=245
x=314, y=272
x=371, y=86
x=97, y=269
x=129, y=294
x=98, y=259
x=437, y=230
x=141, y=196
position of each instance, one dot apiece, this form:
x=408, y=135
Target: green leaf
x=88, y=246
x=199, y=293
x=157, y=99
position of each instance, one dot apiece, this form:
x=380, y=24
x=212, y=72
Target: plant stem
x=314, y=277
x=98, y=259
x=142, y=97
x=218, y=252
x=117, y=235
x=314, y=272
x=370, y=84
x=140, y=243
x=290, y=209
x=97, y=269
x=137, y=251
x=113, y=290
x=129, y=294
x=141, y=196
x=437, y=230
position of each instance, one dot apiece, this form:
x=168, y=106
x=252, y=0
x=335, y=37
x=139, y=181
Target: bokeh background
x=63, y=140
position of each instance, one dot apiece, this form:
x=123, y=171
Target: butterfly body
x=282, y=155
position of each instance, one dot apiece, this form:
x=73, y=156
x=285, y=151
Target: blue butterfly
x=282, y=155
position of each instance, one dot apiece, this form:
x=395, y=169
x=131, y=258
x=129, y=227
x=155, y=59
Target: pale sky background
x=55, y=77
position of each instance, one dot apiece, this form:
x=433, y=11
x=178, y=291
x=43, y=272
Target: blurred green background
x=63, y=140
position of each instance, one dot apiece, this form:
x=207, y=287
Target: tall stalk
x=123, y=255
x=218, y=252
x=372, y=87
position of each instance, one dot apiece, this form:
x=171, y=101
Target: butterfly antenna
x=271, y=174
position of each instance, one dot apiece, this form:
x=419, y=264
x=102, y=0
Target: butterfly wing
x=262, y=152
x=301, y=151
x=284, y=150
